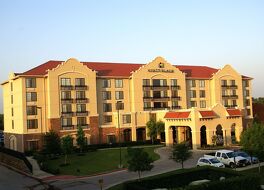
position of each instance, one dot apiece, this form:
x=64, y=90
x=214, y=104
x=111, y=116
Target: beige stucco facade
x=150, y=91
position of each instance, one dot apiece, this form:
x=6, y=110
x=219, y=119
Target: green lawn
x=256, y=171
x=93, y=162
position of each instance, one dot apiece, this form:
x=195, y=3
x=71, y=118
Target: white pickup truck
x=228, y=158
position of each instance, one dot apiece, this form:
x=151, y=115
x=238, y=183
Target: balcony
x=83, y=126
x=231, y=106
x=66, y=87
x=67, y=127
x=158, y=88
x=175, y=87
x=67, y=114
x=161, y=99
x=66, y=100
x=155, y=108
x=81, y=100
x=175, y=98
x=230, y=96
x=82, y=113
x=81, y=87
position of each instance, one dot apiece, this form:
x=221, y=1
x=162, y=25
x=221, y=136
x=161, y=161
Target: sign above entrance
x=161, y=70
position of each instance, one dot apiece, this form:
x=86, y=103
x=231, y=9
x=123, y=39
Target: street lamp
x=119, y=135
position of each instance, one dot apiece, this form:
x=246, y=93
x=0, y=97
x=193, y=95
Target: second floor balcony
x=67, y=113
x=82, y=113
x=233, y=86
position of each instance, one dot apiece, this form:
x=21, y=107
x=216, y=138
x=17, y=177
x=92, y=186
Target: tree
x=67, y=146
x=152, y=131
x=80, y=138
x=52, y=143
x=139, y=161
x=253, y=142
x=181, y=152
x=160, y=127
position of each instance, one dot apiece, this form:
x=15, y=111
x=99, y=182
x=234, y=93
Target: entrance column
x=133, y=133
x=168, y=136
x=238, y=132
x=196, y=139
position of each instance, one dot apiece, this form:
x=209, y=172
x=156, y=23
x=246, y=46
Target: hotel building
x=194, y=102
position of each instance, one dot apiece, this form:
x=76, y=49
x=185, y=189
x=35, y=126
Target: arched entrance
x=219, y=136
x=141, y=134
x=174, y=134
x=188, y=135
x=203, y=136
x=12, y=142
x=127, y=135
x=233, y=133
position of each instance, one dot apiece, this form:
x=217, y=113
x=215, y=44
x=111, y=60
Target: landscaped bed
x=180, y=180
x=91, y=162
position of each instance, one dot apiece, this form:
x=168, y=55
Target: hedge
x=181, y=179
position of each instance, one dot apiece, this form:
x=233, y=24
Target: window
x=80, y=108
x=11, y=86
x=173, y=82
x=247, y=93
x=160, y=94
x=175, y=104
x=146, y=82
x=12, y=112
x=32, y=110
x=106, y=83
x=65, y=82
x=32, y=145
x=192, y=94
x=31, y=96
x=126, y=118
x=119, y=83
x=107, y=118
x=201, y=83
x=232, y=82
x=232, y=92
x=32, y=123
x=147, y=105
x=81, y=121
x=119, y=95
x=193, y=104
x=119, y=106
x=225, y=103
x=66, y=95
x=245, y=83
x=248, y=112
x=203, y=104
x=80, y=82
x=111, y=139
x=202, y=93
x=247, y=102
x=106, y=95
x=80, y=95
x=234, y=103
x=66, y=122
x=174, y=93
x=224, y=93
x=107, y=107
x=13, y=124
x=192, y=83
x=159, y=82
x=146, y=94
x=30, y=83
x=66, y=108
x=12, y=99
x=223, y=82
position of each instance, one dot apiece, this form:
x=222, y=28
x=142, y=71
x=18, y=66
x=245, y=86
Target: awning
x=177, y=115
x=234, y=112
x=208, y=114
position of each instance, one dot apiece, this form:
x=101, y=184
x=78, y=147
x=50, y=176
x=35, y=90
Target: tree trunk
x=152, y=140
x=182, y=164
x=259, y=166
x=65, y=159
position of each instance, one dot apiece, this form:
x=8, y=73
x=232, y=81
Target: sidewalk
x=37, y=172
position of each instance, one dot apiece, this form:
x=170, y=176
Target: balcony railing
x=176, y=98
x=67, y=127
x=175, y=107
x=81, y=100
x=82, y=113
x=81, y=87
x=155, y=87
x=231, y=106
x=155, y=108
x=66, y=87
x=175, y=87
x=229, y=86
x=84, y=126
x=230, y=96
x=66, y=100
x=149, y=98
x=67, y=114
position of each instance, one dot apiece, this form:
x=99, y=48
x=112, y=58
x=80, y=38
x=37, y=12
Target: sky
x=186, y=32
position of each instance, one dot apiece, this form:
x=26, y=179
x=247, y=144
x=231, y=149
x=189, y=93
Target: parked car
x=250, y=160
x=228, y=158
x=205, y=161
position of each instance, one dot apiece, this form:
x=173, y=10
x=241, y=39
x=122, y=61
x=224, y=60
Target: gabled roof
x=233, y=112
x=208, y=114
x=177, y=115
x=122, y=69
